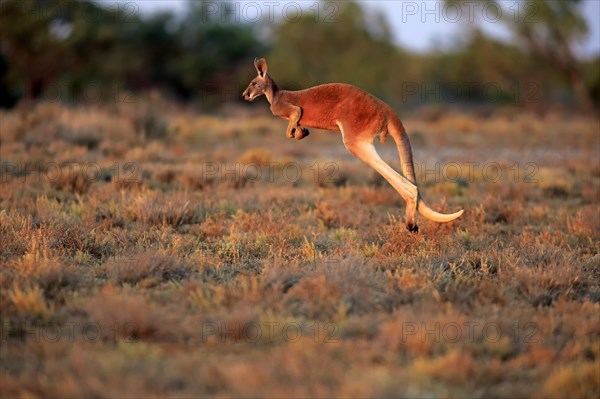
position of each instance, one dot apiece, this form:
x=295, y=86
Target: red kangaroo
x=360, y=117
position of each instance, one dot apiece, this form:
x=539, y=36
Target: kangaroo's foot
x=300, y=132
x=411, y=222
x=413, y=228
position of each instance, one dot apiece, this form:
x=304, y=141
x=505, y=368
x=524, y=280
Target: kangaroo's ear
x=261, y=66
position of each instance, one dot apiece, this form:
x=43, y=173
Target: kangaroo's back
x=325, y=106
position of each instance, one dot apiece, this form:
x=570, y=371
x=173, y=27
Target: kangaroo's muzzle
x=247, y=96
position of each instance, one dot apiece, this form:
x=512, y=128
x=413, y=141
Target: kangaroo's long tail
x=430, y=214
x=397, y=131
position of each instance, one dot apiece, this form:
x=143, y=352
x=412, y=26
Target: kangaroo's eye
x=253, y=83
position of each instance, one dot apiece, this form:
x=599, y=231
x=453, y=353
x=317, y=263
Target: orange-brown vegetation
x=141, y=255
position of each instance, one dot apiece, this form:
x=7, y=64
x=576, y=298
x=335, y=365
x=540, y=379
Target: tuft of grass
x=147, y=270
x=29, y=302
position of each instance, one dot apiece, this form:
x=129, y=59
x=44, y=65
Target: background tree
x=548, y=30
x=214, y=52
x=307, y=51
x=31, y=43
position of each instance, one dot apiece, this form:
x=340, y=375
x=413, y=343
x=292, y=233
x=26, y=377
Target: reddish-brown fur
x=324, y=105
x=360, y=117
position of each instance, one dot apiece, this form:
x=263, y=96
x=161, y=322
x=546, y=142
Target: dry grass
x=149, y=253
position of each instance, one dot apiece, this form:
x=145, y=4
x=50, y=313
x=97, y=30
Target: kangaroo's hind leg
x=364, y=150
x=407, y=167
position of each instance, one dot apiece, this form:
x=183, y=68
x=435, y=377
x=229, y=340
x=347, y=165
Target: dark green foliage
x=82, y=50
x=58, y=50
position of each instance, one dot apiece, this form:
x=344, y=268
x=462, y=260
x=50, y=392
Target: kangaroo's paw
x=290, y=133
x=301, y=132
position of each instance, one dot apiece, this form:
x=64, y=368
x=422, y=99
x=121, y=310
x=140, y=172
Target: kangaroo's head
x=260, y=83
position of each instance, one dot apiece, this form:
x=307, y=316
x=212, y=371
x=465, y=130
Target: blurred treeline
x=81, y=50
